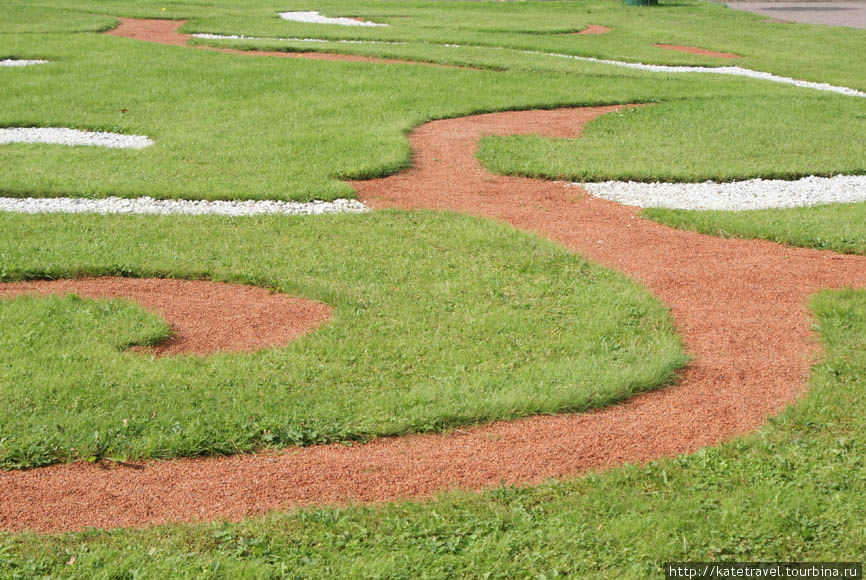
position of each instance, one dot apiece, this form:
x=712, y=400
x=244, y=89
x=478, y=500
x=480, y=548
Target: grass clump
x=837, y=227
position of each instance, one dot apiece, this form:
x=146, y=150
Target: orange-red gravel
x=206, y=317
x=696, y=50
x=594, y=29
x=740, y=306
x=166, y=32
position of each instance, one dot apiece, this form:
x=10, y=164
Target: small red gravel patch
x=594, y=29
x=740, y=305
x=206, y=317
x=696, y=50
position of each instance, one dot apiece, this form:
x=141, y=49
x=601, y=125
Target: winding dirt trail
x=166, y=32
x=740, y=306
x=205, y=317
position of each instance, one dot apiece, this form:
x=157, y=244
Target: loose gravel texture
x=734, y=196
x=205, y=317
x=148, y=205
x=12, y=62
x=314, y=17
x=698, y=50
x=72, y=137
x=166, y=32
x=740, y=305
x=208, y=36
x=721, y=70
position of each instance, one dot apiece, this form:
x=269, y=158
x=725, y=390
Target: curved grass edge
x=546, y=376
x=793, y=489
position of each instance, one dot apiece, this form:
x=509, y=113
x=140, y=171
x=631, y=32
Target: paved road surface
x=844, y=13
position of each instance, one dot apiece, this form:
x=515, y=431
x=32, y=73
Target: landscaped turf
x=837, y=227
x=724, y=139
x=793, y=491
x=439, y=320
x=234, y=126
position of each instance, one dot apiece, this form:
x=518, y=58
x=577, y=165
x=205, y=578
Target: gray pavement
x=844, y=13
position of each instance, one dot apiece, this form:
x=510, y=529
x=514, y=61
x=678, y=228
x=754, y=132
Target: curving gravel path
x=12, y=62
x=315, y=17
x=734, y=196
x=148, y=205
x=740, y=306
x=63, y=136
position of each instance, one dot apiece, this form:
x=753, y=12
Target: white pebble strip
x=734, y=196
x=314, y=17
x=148, y=205
x=17, y=62
x=63, y=136
x=208, y=36
x=721, y=70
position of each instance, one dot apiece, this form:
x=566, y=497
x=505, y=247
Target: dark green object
x=641, y=2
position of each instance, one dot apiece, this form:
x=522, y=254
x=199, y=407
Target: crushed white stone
x=64, y=136
x=20, y=62
x=315, y=17
x=734, y=196
x=208, y=36
x=720, y=70
x=148, y=205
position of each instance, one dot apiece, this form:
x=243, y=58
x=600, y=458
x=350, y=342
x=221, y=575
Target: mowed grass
x=440, y=320
x=792, y=491
x=244, y=127
x=723, y=139
x=817, y=53
x=837, y=227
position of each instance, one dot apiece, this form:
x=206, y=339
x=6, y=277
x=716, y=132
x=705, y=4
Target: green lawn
x=242, y=127
x=440, y=320
x=724, y=139
x=837, y=227
x=792, y=491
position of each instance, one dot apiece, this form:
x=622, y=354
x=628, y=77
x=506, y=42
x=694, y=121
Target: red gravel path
x=740, y=306
x=594, y=29
x=206, y=317
x=166, y=32
x=696, y=50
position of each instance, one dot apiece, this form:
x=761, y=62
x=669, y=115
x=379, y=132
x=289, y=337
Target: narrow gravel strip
x=734, y=196
x=63, y=136
x=16, y=62
x=208, y=36
x=722, y=70
x=147, y=205
x=314, y=17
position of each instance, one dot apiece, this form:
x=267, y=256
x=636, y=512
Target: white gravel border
x=208, y=36
x=734, y=196
x=659, y=68
x=12, y=62
x=72, y=137
x=720, y=70
x=315, y=17
x=148, y=205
